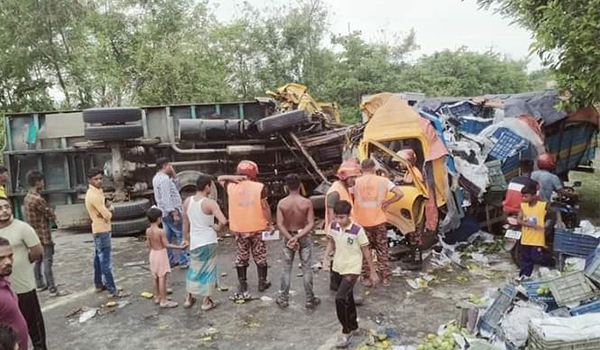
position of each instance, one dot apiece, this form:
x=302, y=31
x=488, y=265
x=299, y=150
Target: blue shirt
x=166, y=194
x=548, y=182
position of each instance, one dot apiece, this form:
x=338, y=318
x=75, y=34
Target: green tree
x=567, y=39
x=466, y=73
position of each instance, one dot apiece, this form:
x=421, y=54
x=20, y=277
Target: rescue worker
x=340, y=191
x=370, y=205
x=410, y=156
x=249, y=216
x=549, y=182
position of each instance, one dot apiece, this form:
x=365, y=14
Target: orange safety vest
x=370, y=191
x=338, y=187
x=245, y=207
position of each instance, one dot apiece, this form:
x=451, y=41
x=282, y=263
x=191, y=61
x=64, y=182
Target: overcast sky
x=439, y=24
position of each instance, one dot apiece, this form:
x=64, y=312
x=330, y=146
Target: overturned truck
x=197, y=138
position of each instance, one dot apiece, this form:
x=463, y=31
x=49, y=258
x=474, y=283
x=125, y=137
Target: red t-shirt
x=10, y=314
x=512, y=202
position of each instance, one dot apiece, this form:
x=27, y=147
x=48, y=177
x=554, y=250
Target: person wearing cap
x=370, y=205
x=410, y=156
x=340, y=190
x=249, y=216
x=548, y=182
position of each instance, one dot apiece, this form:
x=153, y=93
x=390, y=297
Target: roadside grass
x=589, y=192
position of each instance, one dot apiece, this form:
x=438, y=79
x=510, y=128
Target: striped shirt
x=166, y=194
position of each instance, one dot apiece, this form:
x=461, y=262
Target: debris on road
x=87, y=315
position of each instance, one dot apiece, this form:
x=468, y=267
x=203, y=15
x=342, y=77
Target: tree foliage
x=78, y=54
x=566, y=38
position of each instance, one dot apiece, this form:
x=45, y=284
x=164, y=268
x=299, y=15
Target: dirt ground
x=255, y=325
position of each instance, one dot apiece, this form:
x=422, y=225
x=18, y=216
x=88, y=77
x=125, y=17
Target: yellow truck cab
x=392, y=126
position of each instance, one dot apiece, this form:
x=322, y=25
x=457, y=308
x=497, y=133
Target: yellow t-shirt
x=21, y=237
x=537, y=213
x=100, y=215
x=2, y=191
x=347, y=259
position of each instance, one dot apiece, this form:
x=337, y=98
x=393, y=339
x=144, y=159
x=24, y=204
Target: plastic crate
x=473, y=125
x=490, y=321
x=592, y=266
x=482, y=345
x=531, y=290
x=506, y=145
x=458, y=109
x=574, y=244
x=592, y=307
x=495, y=175
x=572, y=288
x=536, y=341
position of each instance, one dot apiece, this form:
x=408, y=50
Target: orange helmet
x=248, y=168
x=348, y=169
x=546, y=161
x=409, y=155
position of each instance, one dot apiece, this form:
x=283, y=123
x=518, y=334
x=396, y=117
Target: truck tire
x=282, y=121
x=112, y=115
x=318, y=201
x=129, y=227
x=113, y=132
x=131, y=209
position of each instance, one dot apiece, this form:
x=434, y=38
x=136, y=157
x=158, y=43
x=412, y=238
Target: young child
x=351, y=248
x=533, y=236
x=156, y=239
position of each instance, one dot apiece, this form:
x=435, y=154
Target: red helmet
x=248, y=168
x=348, y=169
x=409, y=155
x=546, y=161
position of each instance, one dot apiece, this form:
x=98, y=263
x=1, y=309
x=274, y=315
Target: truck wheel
x=113, y=132
x=187, y=181
x=112, y=115
x=131, y=209
x=129, y=227
x=318, y=201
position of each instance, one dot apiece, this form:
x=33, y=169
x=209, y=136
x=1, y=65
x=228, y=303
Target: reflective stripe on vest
x=245, y=207
x=369, y=193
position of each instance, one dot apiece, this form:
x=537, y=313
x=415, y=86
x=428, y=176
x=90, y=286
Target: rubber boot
x=242, y=280
x=263, y=284
x=416, y=264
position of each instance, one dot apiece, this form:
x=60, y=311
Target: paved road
x=256, y=325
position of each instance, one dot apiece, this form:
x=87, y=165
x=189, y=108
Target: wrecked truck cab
x=392, y=125
x=408, y=214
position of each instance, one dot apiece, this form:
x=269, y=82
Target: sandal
x=169, y=304
x=189, y=302
x=213, y=304
x=344, y=340
x=313, y=303
x=282, y=303
x=386, y=282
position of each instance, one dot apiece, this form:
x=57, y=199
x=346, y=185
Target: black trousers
x=334, y=280
x=344, y=303
x=30, y=308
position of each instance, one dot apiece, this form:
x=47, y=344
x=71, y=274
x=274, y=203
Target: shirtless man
x=295, y=220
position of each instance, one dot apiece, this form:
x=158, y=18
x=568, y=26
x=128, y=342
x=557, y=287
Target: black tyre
x=131, y=209
x=129, y=227
x=112, y=115
x=318, y=201
x=113, y=132
x=282, y=121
